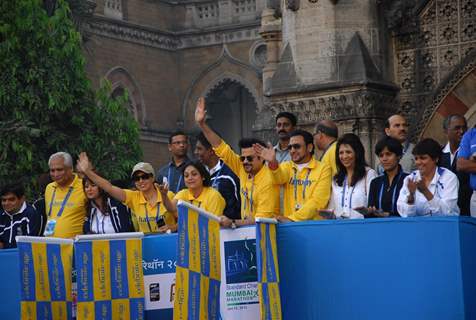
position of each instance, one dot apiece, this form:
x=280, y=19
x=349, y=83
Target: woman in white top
x=351, y=184
x=430, y=190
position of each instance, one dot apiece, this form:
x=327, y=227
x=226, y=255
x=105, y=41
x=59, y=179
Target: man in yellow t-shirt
x=65, y=201
x=325, y=139
x=306, y=181
x=259, y=196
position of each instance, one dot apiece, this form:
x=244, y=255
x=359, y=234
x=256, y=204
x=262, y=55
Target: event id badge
x=50, y=227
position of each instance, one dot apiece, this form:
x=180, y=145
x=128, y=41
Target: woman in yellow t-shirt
x=198, y=191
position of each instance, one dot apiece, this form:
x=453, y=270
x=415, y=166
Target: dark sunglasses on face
x=296, y=146
x=248, y=158
x=141, y=177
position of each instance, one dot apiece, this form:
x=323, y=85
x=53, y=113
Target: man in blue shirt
x=467, y=163
x=171, y=173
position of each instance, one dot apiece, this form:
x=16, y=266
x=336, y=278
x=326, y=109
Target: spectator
x=396, y=127
x=351, y=184
x=198, y=192
x=17, y=218
x=285, y=123
x=65, y=201
x=146, y=202
x=259, y=197
x=455, y=126
x=172, y=172
x=306, y=181
x=385, y=189
x=222, y=178
x=430, y=190
x=325, y=139
x=104, y=214
x=467, y=163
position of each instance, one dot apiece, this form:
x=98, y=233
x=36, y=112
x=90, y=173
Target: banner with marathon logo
x=109, y=276
x=45, y=276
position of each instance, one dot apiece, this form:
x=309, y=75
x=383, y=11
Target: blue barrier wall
x=414, y=268
x=378, y=269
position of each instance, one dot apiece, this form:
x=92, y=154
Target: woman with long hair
x=104, y=214
x=351, y=184
x=198, y=192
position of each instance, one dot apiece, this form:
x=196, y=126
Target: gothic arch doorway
x=231, y=111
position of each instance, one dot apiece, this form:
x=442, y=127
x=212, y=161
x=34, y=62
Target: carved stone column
x=271, y=33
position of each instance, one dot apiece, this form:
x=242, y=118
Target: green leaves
x=46, y=101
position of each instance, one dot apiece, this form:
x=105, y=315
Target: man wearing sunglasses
x=259, y=196
x=306, y=181
x=146, y=204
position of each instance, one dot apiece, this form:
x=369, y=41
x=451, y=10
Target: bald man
x=325, y=137
x=396, y=127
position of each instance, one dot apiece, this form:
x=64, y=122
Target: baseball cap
x=144, y=167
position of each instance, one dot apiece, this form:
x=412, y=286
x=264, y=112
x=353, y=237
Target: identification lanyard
x=63, y=204
x=394, y=194
x=177, y=188
x=343, y=194
x=250, y=198
x=325, y=150
x=304, y=186
x=156, y=217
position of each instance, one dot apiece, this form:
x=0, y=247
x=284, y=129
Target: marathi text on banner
x=45, y=265
x=198, y=265
x=268, y=271
x=109, y=277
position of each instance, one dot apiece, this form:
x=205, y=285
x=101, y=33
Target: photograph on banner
x=159, y=259
x=239, y=286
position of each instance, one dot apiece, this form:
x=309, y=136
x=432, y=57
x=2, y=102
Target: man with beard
x=171, y=173
x=259, y=196
x=396, y=127
x=285, y=123
x=306, y=181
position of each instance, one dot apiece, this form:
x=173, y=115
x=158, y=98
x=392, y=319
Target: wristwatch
x=233, y=224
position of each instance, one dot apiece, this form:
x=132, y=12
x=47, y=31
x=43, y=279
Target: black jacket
x=120, y=216
x=27, y=222
x=465, y=191
x=228, y=184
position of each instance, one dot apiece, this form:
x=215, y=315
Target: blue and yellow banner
x=45, y=265
x=198, y=271
x=110, y=281
x=268, y=270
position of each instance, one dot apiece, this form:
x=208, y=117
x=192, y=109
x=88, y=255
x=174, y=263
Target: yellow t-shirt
x=209, y=200
x=330, y=158
x=146, y=215
x=71, y=221
x=305, y=191
x=259, y=196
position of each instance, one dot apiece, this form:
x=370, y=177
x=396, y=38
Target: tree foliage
x=46, y=101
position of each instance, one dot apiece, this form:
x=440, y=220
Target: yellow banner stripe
x=121, y=309
x=28, y=310
x=42, y=285
x=134, y=271
x=272, y=236
x=101, y=267
x=67, y=259
x=86, y=311
x=204, y=285
x=214, y=249
x=262, y=246
x=181, y=294
x=194, y=241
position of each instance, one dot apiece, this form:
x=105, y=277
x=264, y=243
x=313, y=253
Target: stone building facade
x=353, y=61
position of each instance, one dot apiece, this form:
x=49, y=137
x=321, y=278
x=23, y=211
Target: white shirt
x=444, y=187
x=447, y=149
x=101, y=223
x=345, y=198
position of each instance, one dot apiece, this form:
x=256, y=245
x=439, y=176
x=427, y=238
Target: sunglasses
x=248, y=158
x=296, y=146
x=141, y=177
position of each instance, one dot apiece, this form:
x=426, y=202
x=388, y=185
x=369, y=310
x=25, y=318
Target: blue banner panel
x=373, y=269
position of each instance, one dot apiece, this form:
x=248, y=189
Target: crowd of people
x=286, y=181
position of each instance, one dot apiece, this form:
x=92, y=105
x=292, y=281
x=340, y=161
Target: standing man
x=222, y=178
x=17, y=218
x=172, y=172
x=285, y=123
x=455, y=126
x=259, y=196
x=396, y=127
x=325, y=139
x=306, y=181
x=65, y=201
